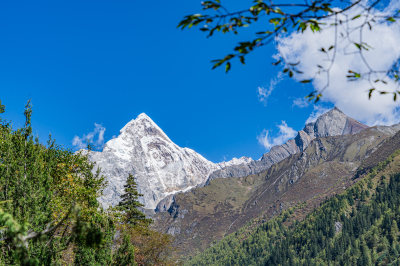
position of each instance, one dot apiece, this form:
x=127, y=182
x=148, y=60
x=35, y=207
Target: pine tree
x=130, y=204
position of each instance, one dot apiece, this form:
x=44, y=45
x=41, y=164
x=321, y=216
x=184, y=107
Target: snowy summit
x=160, y=166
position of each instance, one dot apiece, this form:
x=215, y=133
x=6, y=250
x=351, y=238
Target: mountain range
x=198, y=201
x=162, y=168
x=332, y=123
x=326, y=167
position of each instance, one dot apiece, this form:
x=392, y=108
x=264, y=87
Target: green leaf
x=294, y=64
x=391, y=19
x=217, y=63
x=277, y=62
x=227, y=67
x=370, y=93
x=353, y=75
x=318, y=97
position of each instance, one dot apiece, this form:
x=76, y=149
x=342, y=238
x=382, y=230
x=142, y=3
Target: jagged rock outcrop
x=160, y=166
x=332, y=123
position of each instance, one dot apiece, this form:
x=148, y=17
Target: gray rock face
x=332, y=123
x=161, y=167
x=165, y=204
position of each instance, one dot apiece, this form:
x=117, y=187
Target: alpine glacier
x=160, y=166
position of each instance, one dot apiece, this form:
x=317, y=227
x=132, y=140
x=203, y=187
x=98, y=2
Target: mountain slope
x=357, y=227
x=160, y=166
x=332, y=123
x=324, y=168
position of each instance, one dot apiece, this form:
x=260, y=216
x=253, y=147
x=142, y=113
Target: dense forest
x=358, y=227
x=49, y=213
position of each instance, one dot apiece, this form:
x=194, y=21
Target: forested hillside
x=49, y=213
x=357, y=227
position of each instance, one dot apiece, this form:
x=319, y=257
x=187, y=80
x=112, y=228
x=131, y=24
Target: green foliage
x=2, y=108
x=151, y=247
x=49, y=195
x=129, y=204
x=139, y=243
x=358, y=227
x=277, y=18
x=125, y=254
x=49, y=213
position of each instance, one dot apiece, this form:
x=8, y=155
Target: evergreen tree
x=130, y=204
x=49, y=213
x=48, y=200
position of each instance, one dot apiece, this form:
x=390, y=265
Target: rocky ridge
x=328, y=166
x=332, y=123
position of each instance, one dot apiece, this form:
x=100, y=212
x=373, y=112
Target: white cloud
x=264, y=93
x=285, y=133
x=317, y=112
x=301, y=102
x=94, y=138
x=350, y=97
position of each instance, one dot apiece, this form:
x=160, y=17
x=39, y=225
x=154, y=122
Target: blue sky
x=85, y=62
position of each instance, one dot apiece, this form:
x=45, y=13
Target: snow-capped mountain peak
x=143, y=125
x=160, y=166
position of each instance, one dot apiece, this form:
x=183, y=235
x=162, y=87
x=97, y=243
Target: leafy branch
x=280, y=19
